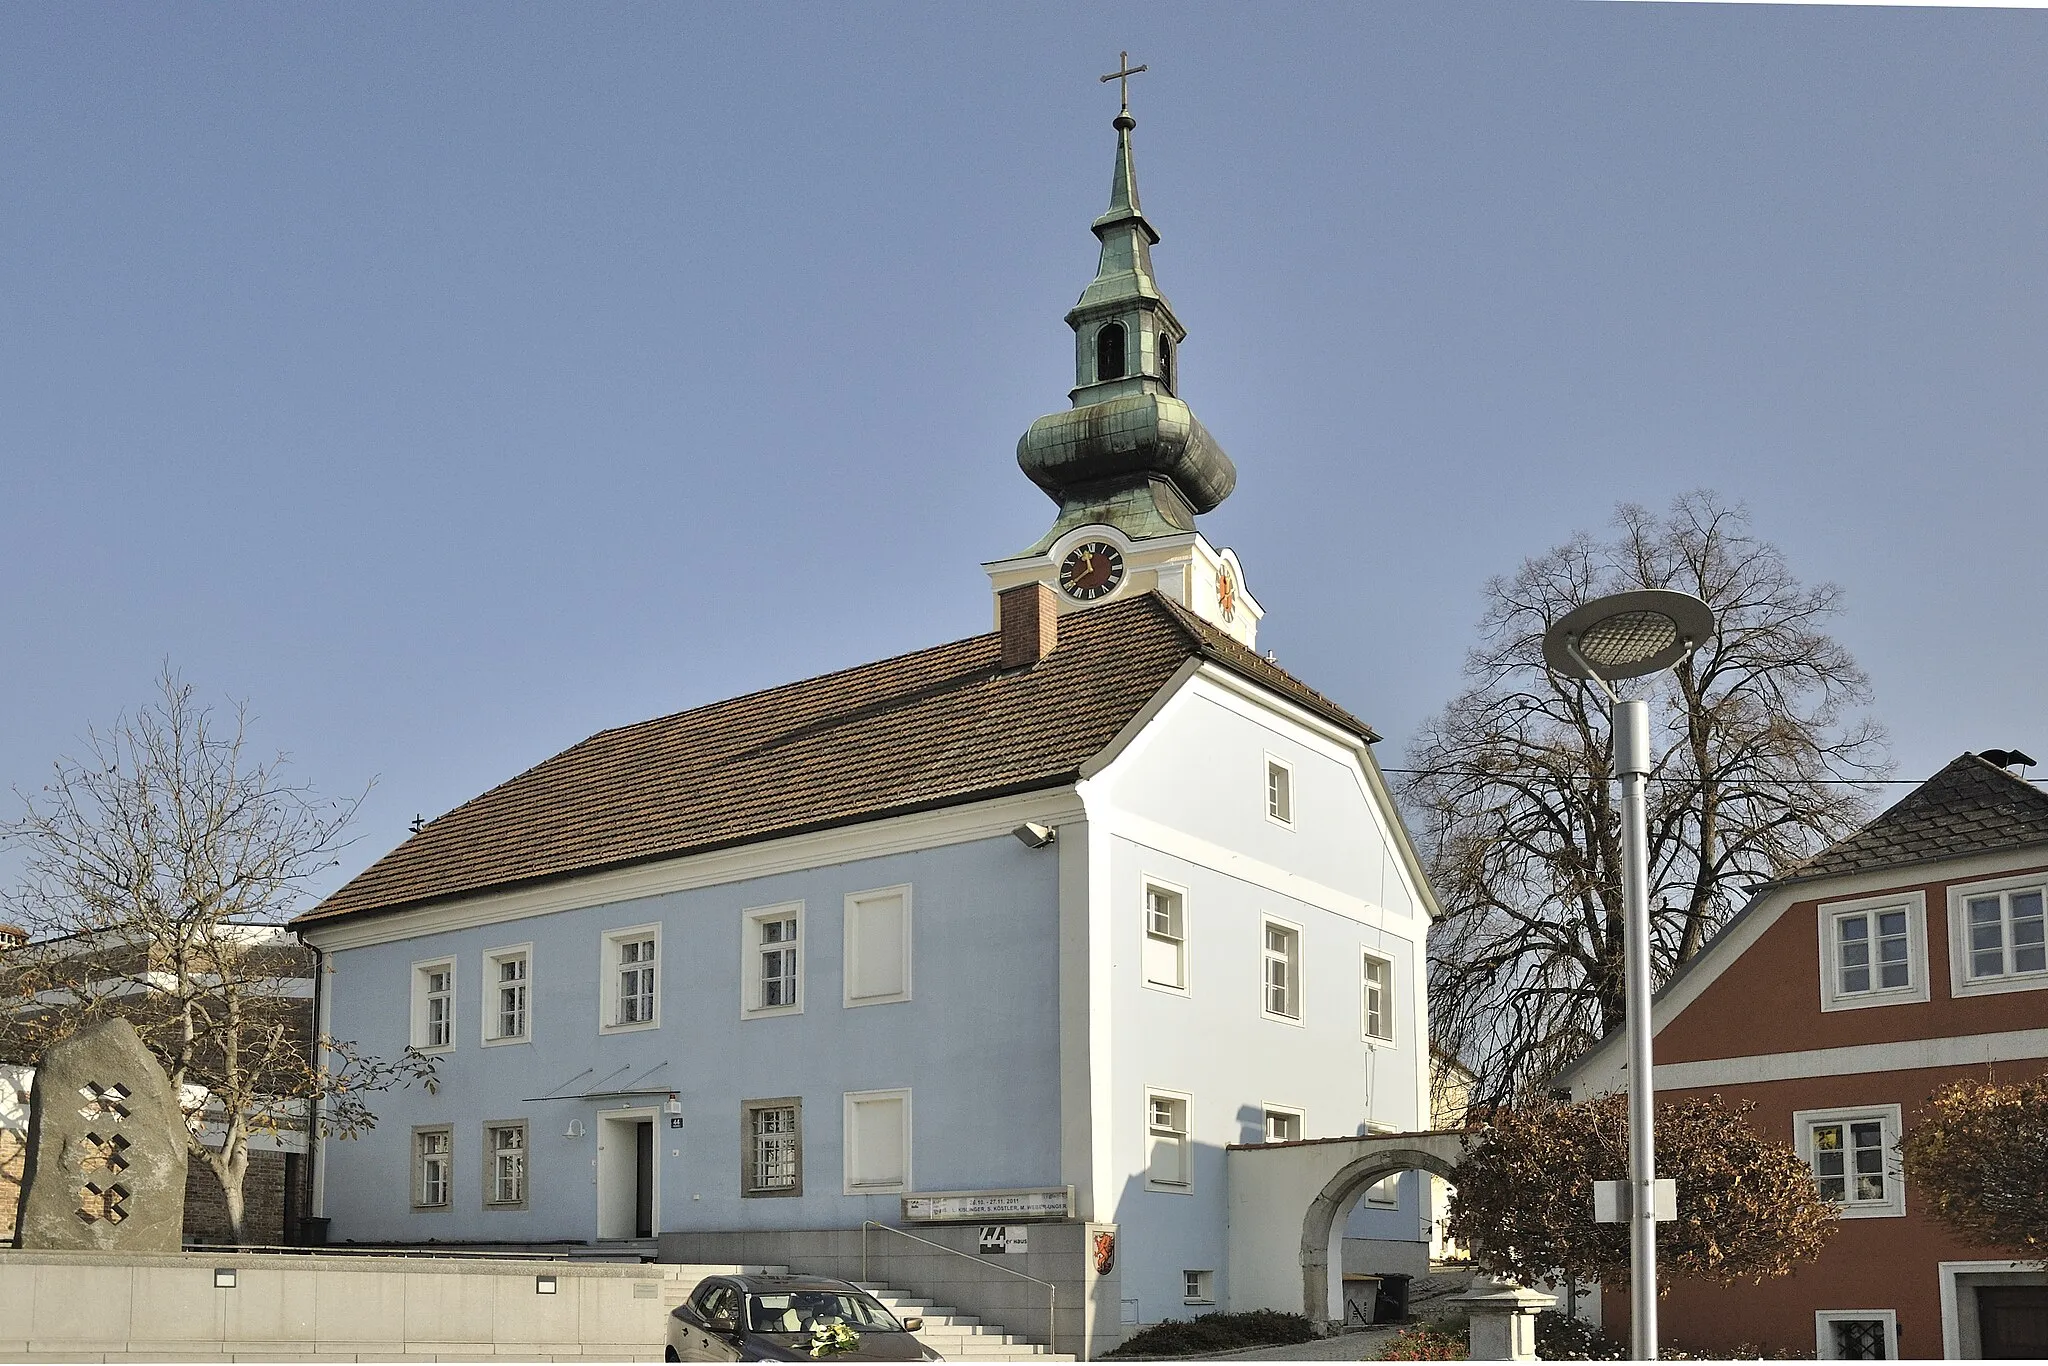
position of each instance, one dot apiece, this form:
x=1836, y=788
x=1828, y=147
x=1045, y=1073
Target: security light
x=224, y=1278
x=1627, y=635
x=1032, y=835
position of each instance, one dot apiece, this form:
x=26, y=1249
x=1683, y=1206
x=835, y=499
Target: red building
x=1907, y=956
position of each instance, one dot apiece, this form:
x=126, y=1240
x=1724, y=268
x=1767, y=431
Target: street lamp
x=1628, y=635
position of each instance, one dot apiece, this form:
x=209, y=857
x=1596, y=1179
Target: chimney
x=1030, y=617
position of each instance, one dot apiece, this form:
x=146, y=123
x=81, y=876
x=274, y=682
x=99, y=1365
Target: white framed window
x=1385, y=1193
x=1169, y=1150
x=877, y=1142
x=1873, y=951
x=1198, y=1287
x=433, y=1005
x=629, y=980
x=1376, y=1003
x=1996, y=935
x=1851, y=1153
x=772, y=1147
x=878, y=947
x=505, y=1164
x=506, y=1000
x=433, y=1167
x=1283, y=1124
x=771, y=960
x=1280, y=969
x=1279, y=791
x=1856, y=1334
x=1166, y=942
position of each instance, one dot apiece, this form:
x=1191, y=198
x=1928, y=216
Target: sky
x=451, y=382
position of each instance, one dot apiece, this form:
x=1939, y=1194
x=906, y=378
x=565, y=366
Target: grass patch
x=1217, y=1333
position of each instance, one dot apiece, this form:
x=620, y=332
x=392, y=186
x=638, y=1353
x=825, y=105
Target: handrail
x=1052, y=1300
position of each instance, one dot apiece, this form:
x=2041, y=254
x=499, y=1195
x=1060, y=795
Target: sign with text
x=1005, y=1238
x=974, y=1207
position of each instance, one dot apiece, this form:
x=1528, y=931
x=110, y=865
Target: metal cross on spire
x=1122, y=75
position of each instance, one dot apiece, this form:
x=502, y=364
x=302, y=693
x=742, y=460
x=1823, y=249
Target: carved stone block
x=106, y=1148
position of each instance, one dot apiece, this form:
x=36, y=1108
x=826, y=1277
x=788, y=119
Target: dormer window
x=1109, y=352
x=1166, y=363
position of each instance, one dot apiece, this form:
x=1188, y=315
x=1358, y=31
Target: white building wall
x=1185, y=804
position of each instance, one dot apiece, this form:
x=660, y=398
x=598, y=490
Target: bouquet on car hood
x=830, y=1339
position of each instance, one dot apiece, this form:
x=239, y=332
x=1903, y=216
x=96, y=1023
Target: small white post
x=1503, y=1317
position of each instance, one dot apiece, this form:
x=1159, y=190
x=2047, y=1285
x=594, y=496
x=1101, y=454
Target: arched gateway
x=1286, y=1202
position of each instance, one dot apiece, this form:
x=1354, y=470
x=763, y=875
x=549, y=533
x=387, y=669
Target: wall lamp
x=1032, y=835
x=224, y=1278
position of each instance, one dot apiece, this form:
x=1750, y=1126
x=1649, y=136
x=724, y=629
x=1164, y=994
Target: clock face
x=1226, y=592
x=1091, y=571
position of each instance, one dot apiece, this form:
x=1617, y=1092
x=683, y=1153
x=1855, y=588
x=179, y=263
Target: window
x=877, y=1142
x=1995, y=936
x=2005, y=934
x=718, y=1304
x=1279, y=791
x=1166, y=362
x=1385, y=1193
x=1282, y=984
x=630, y=985
x=505, y=1161
x=1168, y=1152
x=771, y=954
x=1378, y=998
x=1282, y=1126
x=878, y=947
x=1850, y=1153
x=1198, y=1287
x=1856, y=1334
x=433, y=1159
x=433, y=1006
x=774, y=1153
x=505, y=998
x=1166, y=950
x=1109, y=352
x=1873, y=952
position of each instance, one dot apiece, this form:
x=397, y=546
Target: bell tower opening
x=1109, y=352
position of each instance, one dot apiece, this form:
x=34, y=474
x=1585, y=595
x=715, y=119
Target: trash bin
x=1391, y=1304
x=313, y=1230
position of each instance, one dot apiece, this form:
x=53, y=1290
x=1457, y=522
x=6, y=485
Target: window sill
x=1864, y=1000
x=778, y=1194
x=1294, y=1020
x=638, y=1027
x=442, y=1050
x=770, y=1012
x=1891, y=1209
x=856, y=1002
x=508, y=1039
x=1163, y=1188
x=1994, y=986
x=1167, y=988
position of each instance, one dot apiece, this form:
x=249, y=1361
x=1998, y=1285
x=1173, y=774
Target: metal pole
x=1631, y=721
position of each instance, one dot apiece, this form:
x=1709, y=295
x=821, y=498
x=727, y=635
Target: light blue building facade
x=1067, y=909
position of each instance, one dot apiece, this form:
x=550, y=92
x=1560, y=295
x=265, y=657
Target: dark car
x=784, y=1318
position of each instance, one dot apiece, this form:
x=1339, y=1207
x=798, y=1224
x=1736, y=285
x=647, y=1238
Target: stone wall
x=83, y=1306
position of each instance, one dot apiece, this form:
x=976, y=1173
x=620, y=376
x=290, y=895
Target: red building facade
x=1905, y=957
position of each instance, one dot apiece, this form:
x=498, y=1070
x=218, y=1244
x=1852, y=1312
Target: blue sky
x=454, y=381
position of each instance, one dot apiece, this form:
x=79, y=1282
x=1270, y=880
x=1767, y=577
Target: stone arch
x=1336, y=1196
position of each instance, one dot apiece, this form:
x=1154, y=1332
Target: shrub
x=1425, y=1342
x=1979, y=1161
x=1217, y=1333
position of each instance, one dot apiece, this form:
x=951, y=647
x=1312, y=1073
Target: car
x=789, y=1318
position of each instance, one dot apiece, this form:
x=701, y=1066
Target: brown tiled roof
x=1970, y=806
x=936, y=728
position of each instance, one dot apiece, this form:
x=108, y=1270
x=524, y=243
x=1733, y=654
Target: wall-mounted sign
x=974, y=1207
x=675, y=1121
x=1014, y=1239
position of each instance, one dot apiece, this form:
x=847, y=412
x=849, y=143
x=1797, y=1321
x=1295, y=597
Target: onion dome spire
x=1129, y=453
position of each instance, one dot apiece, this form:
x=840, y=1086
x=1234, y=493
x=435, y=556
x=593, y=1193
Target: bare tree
x=1756, y=759
x=158, y=871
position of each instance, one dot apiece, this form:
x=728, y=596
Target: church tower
x=1129, y=464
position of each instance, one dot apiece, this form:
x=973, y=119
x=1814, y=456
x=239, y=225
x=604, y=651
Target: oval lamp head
x=1627, y=635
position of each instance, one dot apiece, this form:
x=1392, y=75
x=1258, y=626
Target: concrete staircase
x=957, y=1336
x=952, y=1334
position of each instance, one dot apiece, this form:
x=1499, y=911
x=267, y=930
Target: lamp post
x=1629, y=635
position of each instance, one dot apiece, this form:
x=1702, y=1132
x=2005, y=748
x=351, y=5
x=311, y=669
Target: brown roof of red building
x=1970, y=806
x=940, y=727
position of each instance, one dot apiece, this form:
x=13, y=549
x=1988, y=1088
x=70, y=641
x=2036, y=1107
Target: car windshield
x=802, y=1311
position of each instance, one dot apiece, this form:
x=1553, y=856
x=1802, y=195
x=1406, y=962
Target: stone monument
x=106, y=1148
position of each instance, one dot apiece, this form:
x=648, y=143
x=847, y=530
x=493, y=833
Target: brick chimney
x=1030, y=617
